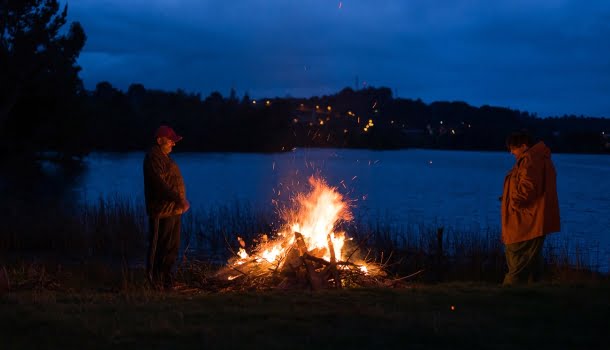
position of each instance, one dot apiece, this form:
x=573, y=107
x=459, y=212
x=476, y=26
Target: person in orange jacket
x=530, y=208
x=165, y=196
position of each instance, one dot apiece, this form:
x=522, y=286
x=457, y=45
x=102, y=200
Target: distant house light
x=268, y=103
x=345, y=131
x=441, y=122
x=321, y=122
x=295, y=120
x=253, y=102
x=317, y=107
x=453, y=131
x=329, y=108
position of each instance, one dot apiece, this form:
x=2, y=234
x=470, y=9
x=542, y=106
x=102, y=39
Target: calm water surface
x=457, y=189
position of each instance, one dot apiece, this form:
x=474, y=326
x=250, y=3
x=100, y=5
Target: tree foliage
x=40, y=89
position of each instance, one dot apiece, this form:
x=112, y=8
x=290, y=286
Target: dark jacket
x=164, y=189
x=530, y=207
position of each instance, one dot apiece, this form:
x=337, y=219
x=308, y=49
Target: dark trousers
x=163, y=245
x=524, y=260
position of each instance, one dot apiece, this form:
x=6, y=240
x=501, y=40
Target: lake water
x=457, y=189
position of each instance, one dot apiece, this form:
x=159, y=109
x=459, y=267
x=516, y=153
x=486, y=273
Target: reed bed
x=112, y=232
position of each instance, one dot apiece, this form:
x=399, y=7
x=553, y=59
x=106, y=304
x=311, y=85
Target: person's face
x=517, y=151
x=165, y=144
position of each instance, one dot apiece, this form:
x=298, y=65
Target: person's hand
x=185, y=206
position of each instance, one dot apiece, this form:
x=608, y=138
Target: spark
x=354, y=178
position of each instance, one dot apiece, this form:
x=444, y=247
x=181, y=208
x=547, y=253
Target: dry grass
x=112, y=232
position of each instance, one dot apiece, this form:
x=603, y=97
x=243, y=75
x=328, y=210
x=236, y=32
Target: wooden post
x=439, y=253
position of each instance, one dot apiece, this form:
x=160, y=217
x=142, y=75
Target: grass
x=420, y=316
x=77, y=282
x=113, y=231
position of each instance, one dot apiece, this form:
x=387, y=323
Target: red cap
x=166, y=131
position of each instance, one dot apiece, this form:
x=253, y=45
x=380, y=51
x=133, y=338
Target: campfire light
x=308, y=239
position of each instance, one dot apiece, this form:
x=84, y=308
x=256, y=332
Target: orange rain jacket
x=164, y=189
x=530, y=207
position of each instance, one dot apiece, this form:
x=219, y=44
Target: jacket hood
x=539, y=150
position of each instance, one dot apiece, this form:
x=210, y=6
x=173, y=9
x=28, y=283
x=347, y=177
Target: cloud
x=547, y=56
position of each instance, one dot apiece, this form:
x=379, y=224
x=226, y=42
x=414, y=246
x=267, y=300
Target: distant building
x=606, y=137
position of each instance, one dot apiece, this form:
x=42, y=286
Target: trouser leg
x=524, y=261
x=168, y=246
x=537, y=266
x=153, y=240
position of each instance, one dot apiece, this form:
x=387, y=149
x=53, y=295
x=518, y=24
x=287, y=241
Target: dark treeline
x=44, y=107
x=366, y=118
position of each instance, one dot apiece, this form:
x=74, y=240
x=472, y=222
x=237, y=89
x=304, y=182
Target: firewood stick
x=333, y=262
x=358, y=246
x=316, y=259
x=314, y=280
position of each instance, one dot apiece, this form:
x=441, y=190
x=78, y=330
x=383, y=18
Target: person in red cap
x=165, y=197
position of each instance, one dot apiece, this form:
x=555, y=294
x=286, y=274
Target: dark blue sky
x=551, y=57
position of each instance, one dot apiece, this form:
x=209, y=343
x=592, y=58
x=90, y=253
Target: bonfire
x=309, y=251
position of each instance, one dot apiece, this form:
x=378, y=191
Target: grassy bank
x=456, y=316
x=114, y=231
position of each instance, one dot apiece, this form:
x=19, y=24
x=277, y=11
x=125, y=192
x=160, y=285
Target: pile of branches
x=300, y=268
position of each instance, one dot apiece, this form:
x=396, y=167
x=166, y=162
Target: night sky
x=550, y=57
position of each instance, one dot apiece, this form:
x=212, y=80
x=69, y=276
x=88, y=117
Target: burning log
x=332, y=267
x=314, y=279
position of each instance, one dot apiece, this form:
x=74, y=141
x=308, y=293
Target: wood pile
x=300, y=268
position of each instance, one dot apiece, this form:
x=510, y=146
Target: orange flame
x=315, y=216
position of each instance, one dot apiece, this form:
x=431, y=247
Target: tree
x=39, y=81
